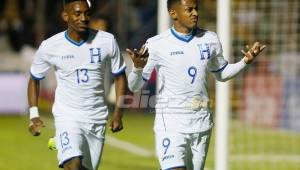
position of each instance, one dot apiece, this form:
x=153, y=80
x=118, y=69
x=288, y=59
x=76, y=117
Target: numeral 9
x=192, y=71
x=166, y=143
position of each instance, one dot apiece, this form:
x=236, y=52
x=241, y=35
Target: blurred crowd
x=28, y=22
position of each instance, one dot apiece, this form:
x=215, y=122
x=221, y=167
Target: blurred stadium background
x=264, y=124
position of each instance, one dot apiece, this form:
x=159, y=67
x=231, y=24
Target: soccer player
x=80, y=114
x=182, y=57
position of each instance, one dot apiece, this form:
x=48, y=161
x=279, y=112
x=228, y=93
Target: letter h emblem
x=95, y=53
x=204, y=51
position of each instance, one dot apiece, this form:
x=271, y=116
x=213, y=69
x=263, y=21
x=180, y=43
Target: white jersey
x=182, y=66
x=79, y=95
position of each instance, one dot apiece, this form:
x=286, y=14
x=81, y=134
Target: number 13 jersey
x=79, y=69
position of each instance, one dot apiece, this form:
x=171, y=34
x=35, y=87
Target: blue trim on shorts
x=65, y=161
x=175, y=167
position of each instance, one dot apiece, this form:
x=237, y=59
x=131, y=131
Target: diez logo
x=147, y=100
x=176, y=53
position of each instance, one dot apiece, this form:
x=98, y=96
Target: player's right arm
x=38, y=70
x=139, y=59
x=33, y=93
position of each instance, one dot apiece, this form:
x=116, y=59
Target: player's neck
x=180, y=33
x=182, y=30
x=77, y=37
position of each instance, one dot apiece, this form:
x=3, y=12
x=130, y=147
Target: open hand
x=139, y=58
x=252, y=52
x=35, y=126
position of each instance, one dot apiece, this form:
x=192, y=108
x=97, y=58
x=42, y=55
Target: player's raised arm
x=253, y=52
x=229, y=71
x=139, y=59
x=33, y=93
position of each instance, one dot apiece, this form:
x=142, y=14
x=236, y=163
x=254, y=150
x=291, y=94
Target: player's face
x=185, y=14
x=77, y=15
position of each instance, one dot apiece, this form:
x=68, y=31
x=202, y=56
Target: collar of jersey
x=72, y=41
x=185, y=38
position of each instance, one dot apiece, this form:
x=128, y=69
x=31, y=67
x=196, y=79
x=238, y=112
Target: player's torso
x=79, y=65
x=182, y=73
x=182, y=66
x=79, y=71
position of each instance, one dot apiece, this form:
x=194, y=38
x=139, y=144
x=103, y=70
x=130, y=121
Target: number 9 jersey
x=182, y=65
x=79, y=69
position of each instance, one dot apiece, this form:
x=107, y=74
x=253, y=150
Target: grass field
x=255, y=149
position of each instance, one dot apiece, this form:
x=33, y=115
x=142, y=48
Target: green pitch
x=21, y=151
x=250, y=148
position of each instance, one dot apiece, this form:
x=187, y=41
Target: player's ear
x=64, y=16
x=173, y=14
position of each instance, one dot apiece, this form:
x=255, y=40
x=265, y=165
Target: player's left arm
x=231, y=70
x=120, y=88
x=118, y=69
x=253, y=52
x=139, y=59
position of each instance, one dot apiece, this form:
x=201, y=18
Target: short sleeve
x=217, y=62
x=151, y=63
x=117, y=63
x=40, y=66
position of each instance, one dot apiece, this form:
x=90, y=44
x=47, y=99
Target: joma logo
x=67, y=57
x=176, y=53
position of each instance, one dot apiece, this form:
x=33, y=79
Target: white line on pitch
x=129, y=147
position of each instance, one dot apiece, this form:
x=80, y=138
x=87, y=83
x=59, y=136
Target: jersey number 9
x=192, y=72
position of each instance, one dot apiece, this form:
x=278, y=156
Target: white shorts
x=178, y=150
x=77, y=139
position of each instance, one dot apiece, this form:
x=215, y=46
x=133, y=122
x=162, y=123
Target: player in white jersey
x=80, y=113
x=182, y=57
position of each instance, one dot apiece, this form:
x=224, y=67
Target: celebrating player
x=182, y=57
x=80, y=113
